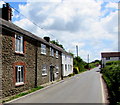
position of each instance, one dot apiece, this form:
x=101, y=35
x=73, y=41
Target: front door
x=51, y=73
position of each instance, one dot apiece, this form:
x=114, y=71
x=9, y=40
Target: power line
x=40, y=27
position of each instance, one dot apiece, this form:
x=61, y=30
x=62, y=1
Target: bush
x=111, y=74
x=75, y=70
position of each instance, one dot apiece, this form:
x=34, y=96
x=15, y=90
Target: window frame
x=57, y=69
x=51, y=52
x=44, y=69
x=43, y=49
x=19, y=76
x=24, y=73
x=65, y=67
x=57, y=54
x=20, y=48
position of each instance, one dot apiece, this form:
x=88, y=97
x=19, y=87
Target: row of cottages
x=109, y=56
x=28, y=61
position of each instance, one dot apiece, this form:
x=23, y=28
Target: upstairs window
x=19, y=74
x=107, y=58
x=44, y=70
x=19, y=44
x=43, y=49
x=65, y=57
x=56, y=54
x=51, y=51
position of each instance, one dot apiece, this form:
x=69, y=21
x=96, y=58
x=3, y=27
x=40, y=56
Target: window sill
x=19, y=53
x=43, y=54
x=51, y=56
x=44, y=74
x=19, y=84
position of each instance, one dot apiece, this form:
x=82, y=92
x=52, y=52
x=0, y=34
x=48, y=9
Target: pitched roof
x=110, y=54
x=9, y=25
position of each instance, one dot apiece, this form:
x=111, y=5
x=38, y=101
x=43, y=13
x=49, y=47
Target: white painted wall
x=67, y=60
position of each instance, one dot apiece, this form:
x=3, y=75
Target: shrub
x=75, y=70
x=111, y=74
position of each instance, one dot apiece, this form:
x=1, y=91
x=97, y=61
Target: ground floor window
x=44, y=69
x=57, y=69
x=19, y=74
x=66, y=67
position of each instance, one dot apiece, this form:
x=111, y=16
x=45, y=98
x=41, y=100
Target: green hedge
x=111, y=74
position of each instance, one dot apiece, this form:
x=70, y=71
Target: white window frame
x=65, y=67
x=19, y=75
x=68, y=67
x=43, y=49
x=57, y=69
x=57, y=54
x=51, y=52
x=44, y=69
x=19, y=44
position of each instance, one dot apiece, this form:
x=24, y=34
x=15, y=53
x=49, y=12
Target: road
x=82, y=88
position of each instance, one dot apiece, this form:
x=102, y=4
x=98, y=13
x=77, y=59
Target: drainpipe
x=61, y=67
x=36, y=56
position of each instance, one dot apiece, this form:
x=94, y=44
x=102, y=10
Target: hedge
x=111, y=74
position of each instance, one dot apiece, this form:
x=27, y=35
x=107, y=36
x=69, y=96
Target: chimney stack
x=7, y=12
x=47, y=39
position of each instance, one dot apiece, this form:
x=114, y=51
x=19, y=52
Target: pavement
x=86, y=87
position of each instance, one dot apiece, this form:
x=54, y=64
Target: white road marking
x=102, y=89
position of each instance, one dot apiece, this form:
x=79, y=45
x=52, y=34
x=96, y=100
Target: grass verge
x=22, y=94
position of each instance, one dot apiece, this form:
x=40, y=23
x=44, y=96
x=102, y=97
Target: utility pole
x=88, y=61
x=77, y=55
x=77, y=50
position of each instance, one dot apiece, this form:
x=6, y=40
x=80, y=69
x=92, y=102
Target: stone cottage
x=26, y=60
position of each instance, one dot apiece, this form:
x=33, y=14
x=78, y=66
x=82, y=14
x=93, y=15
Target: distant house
x=109, y=56
x=26, y=60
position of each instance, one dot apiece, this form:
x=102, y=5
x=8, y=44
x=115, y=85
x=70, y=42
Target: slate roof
x=110, y=54
x=9, y=25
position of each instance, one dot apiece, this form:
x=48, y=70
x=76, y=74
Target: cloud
x=1, y=4
x=112, y=5
x=73, y=23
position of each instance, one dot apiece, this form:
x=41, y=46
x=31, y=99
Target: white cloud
x=112, y=5
x=73, y=23
x=1, y=4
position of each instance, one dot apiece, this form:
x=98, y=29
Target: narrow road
x=82, y=88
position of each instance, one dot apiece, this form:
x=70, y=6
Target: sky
x=92, y=25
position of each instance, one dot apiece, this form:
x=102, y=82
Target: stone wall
x=0, y=64
x=9, y=57
x=48, y=60
x=33, y=60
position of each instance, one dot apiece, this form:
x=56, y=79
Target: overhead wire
x=40, y=27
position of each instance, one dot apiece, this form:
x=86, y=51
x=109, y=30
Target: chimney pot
x=3, y=5
x=47, y=39
x=7, y=5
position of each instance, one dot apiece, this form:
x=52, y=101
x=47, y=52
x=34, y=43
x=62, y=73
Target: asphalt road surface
x=82, y=88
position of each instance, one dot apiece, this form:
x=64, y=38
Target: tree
x=57, y=43
x=79, y=63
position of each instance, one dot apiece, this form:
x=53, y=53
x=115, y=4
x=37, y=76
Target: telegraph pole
x=88, y=61
x=77, y=50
